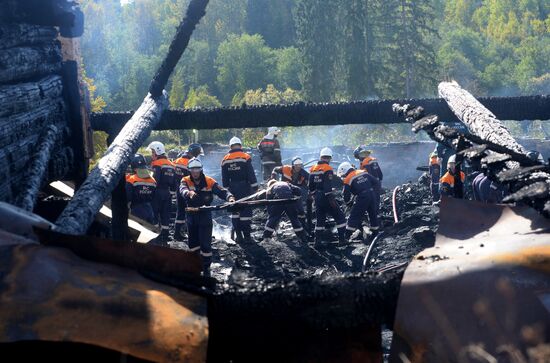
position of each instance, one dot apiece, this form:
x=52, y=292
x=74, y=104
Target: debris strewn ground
x=285, y=257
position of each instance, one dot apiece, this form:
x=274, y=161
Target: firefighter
x=163, y=173
x=140, y=188
x=238, y=176
x=296, y=175
x=283, y=190
x=435, y=172
x=198, y=190
x=486, y=190
x=270, y=151
x=452, y=184
x=320, y=187
x=370, y=165
x=363, y=186
x=181, y=170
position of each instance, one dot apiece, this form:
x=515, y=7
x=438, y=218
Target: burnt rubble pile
x=285, y=257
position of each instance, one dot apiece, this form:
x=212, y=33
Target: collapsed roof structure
x=61, y=284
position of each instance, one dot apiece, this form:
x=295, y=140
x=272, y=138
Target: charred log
x=479, y=120
x=502, y=158
x=310, y=114
x=19, y=126
x=34, y=177
x=101, y=181
x=13, y=35
x=23, y=63
x=24, y=97
x=80, y=212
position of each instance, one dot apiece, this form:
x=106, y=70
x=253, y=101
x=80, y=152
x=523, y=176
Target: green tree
x=315, y=31
x=243, y=62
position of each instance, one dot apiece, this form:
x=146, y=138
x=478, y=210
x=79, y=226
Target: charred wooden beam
x=479, y=120
x=87, y=201
x=34, y=177
x=22, y=63
x=13, y=35
x=102, y=180
x=24, y=97
x=310, y=114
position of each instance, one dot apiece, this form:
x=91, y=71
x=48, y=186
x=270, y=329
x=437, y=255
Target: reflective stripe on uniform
x=228, y=161
x=195, y=249
x=233, y=216
x=254, y=185
x=245, y=218
x=149, y=184
x=298, y=229
x=340, y=225
x=319, y=228
x=268, y=162
x=206, y=254
x=269, y=229
x=180, y=221
x=165, y=227
x=350, y=228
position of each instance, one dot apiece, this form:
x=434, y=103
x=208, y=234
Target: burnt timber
x=311, y=114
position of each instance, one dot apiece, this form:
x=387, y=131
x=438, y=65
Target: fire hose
x=394, y=204
x=367, y=255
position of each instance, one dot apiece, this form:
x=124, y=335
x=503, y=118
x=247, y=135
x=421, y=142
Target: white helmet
x=325, y=152
x=452, y=160
x=194, y=164
x=344, y=168
x=157, y=147
x=234, y=141
x=297, y=161
x=273, y=130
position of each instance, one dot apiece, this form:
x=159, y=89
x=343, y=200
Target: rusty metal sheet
x=50, y=294
x=482, y=293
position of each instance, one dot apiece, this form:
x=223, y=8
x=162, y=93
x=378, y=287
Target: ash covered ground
x=285, y=257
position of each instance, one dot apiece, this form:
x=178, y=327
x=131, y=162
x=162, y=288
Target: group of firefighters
x=151, y=197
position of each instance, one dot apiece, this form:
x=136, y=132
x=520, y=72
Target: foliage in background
x=254, y=51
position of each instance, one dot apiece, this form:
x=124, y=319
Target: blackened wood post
x=108, y=173
x=34, y=178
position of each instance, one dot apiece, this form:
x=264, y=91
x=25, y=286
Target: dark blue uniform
x=283, y=190
x=363, y=186
x=199, y=224
x=370, y=165
x=238, y=176
x=487, y=191
x=163, y=172
x=300, y=179
x=320, y=183
x=140, y=193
